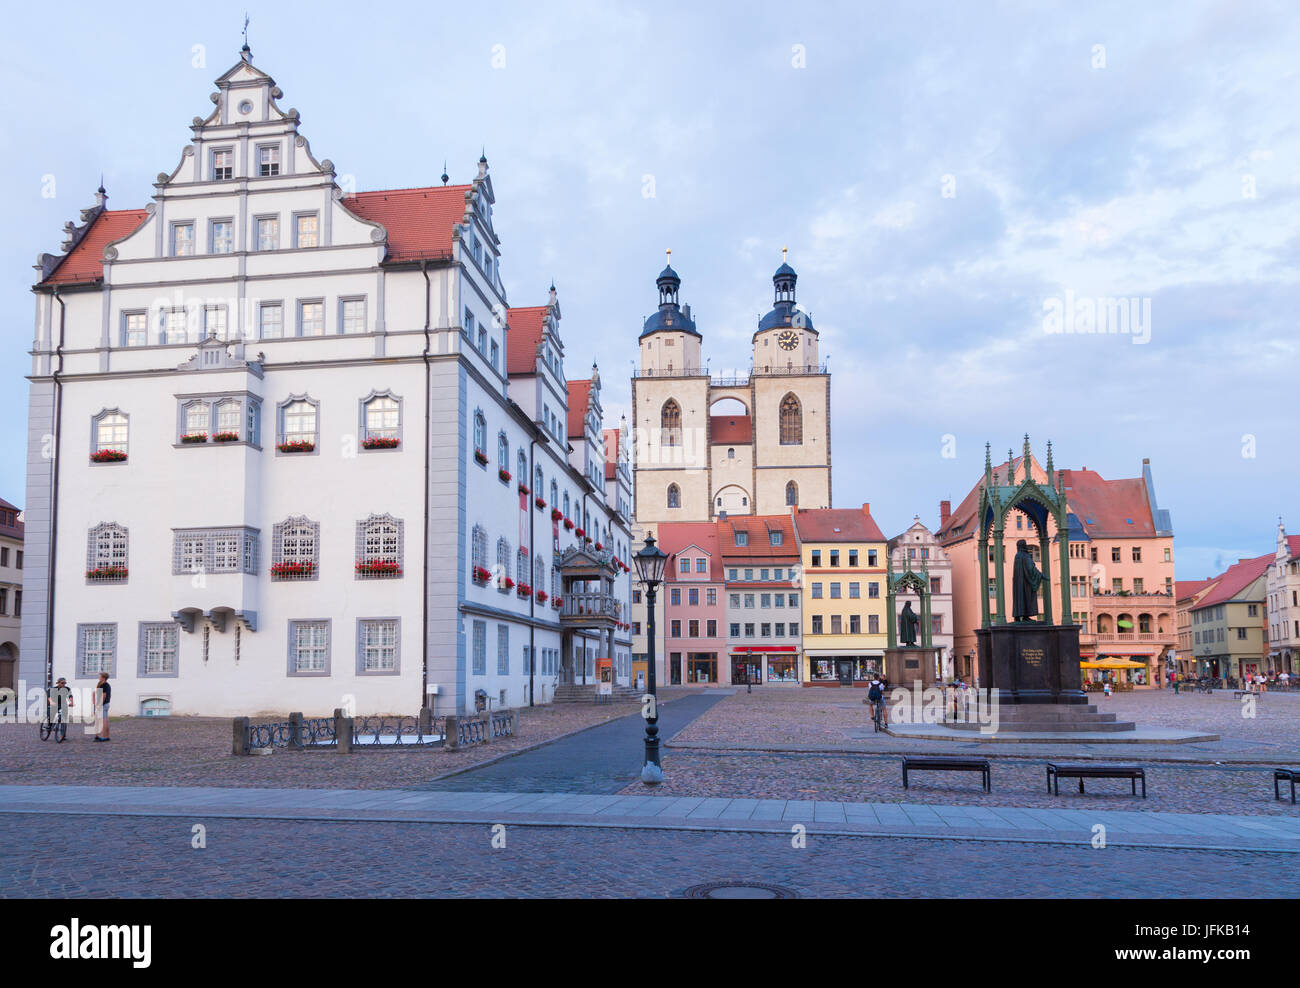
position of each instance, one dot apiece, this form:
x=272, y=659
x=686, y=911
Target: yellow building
x=844, y=595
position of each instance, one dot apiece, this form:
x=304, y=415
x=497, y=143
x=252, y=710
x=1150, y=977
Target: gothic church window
x=791, y=421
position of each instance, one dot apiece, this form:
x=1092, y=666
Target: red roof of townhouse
x=1190, y=588
x=527, y=327
x=736, y=429
x=1234, y=580
x=16, y=529
x=837, y=525
x=675, y=536
x=85, y=262
x=759, y=529
x=579, y=396
x=611, y=452
x=419, y=221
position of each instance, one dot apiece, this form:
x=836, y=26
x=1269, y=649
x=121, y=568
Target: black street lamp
x=650, y=564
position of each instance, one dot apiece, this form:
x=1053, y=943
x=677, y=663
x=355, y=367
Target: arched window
x=555, y=495
x=674, y=496
x=110, y=433
x=791, y=421
x=503, y=563
x=521, y=566
x=229, y=417
x=478, y=547
x=480, y=433
x=539, y=484
x=294, y=546
x=198, y=418
x=503, y=452
x=521, y=468
x=381, y=418
x=670, y=420
x=298, y=422
x=566, y=504
x=379, y=547
x=791, y=493
x=731, y=453
x=106, y=554
x=539, y=575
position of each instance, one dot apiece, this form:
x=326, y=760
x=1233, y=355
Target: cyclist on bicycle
x=876, y=696
x=61, y=703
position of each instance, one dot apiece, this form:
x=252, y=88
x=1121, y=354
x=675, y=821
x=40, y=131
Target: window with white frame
x=307, y=230
x=214, y=550
x=478, y=660
x=503, y=452
x=223, y=164
x=270, y=319
x=268, y=160
x=381, y=421
x=295, y=549
x=176, y=326
x=503, y=649
x=521, y=566
x=377, y=645
x=311, y=318
x=135, y=329
x=96, y=650
x=223, y=236
x=158, y=648
x=214, y=322
x=469, y=325
x=479, y=547
x=379, y=547
x=309, y=648
x=268, y=233
x=299, y=426
x=110, y=433
x=196, y=422
x=229, y=416
x=480, y=435
x=503, y=563
x=182, y=239
x=352, y=315
x=106, y=554
x=496, y=354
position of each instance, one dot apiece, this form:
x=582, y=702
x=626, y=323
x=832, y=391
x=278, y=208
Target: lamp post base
x=651, y=774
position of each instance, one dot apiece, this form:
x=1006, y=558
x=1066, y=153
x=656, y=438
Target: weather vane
x=245, y=29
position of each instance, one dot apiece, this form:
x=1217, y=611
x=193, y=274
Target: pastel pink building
x=694, y=633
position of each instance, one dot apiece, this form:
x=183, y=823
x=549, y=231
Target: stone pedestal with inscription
x=1031, y=663
x=906, y=664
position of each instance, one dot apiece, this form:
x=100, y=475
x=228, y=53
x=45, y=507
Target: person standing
x=876, y=698
x=103, y=694
x=61, y=700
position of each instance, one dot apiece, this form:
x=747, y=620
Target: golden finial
x=669, y=252
x=783, y=253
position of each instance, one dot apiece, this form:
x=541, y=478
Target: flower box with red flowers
x=580, y=533
x=378, y=568
x=541, y=596
x=381, y=442
x=481, y=575
x=541, y=505
x=599, y=547
x=225, y=437
x=504, y=475
x=556, y=514
x=480, y=457
x=524, y=590
x=523, y=489
x=106, y=574
x=506, y=584
x=107, y=456
x=291, y=571
x=557, y=602
x=568, y=524
x=297, y=446
x=191, y=438
x=586, y=538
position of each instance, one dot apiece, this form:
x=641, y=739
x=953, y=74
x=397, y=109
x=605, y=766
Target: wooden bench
x=1283, y=775
x=1238, y=694
x=942, y=764
x=1057, y=772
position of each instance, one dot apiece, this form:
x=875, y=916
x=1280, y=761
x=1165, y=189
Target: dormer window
x=223, y=164
x=268, y=160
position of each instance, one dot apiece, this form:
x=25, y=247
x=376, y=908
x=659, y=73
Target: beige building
x=11, y=592
x=1229, y=630
x=919, y=549
x=757, y=443
x=1282, y=585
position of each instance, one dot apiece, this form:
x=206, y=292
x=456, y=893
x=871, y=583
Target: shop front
x=776, y=664
x=853, y=669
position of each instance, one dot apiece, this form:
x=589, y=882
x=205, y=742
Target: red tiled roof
x=527, y=327
x=419, y=221
x=611, y=453
x=674, y=536
x=837, y=525
x=1235, y=579
x=579, y=393
x=737, y=429
x=1104, y=507
x=16, y=529
x=1190, y=588
x=85, y=262
x=760, y=546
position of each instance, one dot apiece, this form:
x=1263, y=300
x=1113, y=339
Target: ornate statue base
x=1031, y=663
x=906, y=664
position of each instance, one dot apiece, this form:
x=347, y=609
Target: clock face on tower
x=788, y=339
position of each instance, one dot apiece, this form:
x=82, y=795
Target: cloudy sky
x=945, y=176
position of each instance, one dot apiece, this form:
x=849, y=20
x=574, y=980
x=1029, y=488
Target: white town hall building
x=290, y=449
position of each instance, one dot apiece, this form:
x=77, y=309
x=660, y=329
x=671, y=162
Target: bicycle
x=878, y=714
x=53, y=724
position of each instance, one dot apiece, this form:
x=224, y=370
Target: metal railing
x=601, y=605
x=377, y=732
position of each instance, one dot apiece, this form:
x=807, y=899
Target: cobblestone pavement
x=1180, y=788
x=130, y=857
x=195, y=751
x=601, y=760
x=787, y=717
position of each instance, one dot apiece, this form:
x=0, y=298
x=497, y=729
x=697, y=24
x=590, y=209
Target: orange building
x=1121, y=546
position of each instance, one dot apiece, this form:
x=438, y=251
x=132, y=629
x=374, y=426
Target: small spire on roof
x=246, y=53
x=445, y=176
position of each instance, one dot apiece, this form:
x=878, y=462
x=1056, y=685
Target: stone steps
x=578, y=693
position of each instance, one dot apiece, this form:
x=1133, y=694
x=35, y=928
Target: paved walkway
x=601, y=759
x=1074, y=823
